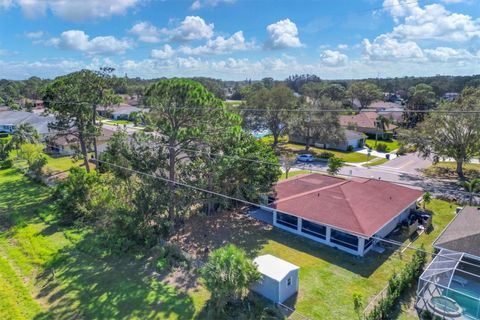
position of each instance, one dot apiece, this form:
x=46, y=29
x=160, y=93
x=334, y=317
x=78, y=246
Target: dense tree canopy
x=365, y=92
x=451, y=134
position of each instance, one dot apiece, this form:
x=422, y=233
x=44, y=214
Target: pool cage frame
x=436, y=281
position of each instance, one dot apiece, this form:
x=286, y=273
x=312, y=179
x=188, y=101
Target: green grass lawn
x=391, y=145
x=344, y=155
x=48, y=271
x=376, y=162
x=61, y=163
x=293, y=173
x=447, y=170
x=119, y=122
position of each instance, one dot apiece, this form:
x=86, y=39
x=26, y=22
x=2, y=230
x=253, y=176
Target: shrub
x=397, y=284
x=169, y=257
x=228, y=274
x=381, y=147
x=334, y=165
x=6, y=164
x=326, y=155
x=350, y=148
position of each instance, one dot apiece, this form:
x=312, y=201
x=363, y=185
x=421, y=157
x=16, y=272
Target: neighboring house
x=279, y=278
x=121, y=111
x=365, y=122
x=450, y=285
x=382, y=105
x=352, y=138
x=450, y=96
x=9, y=120
x=35, y=104
x=65, y=145
x=345, y=214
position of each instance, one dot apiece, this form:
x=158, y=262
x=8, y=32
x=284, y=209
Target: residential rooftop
x=358, y=206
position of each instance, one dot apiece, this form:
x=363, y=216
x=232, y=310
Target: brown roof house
x=365, y=122
x=346, y=214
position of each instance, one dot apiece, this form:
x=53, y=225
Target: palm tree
x=471, y=187
x=24, y=133
x=427, y=198
x=382, y=123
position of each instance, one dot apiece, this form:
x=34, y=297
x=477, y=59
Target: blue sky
x=240, y=39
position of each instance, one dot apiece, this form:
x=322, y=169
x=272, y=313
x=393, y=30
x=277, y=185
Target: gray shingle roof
x=18, y=117
x=463, y=233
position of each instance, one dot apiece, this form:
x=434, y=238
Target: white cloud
x=399, y=8
x=333, y=58
x=165, y=53
x=342, y=46
x=445, y=54
x=34, y=35
x=146, y=32
x=191, y=28
x=220, y=45
x=74, y=10
x=283, y=34
x=198, y=4
x=384, y=47
x=435, y=22
x=78, y=40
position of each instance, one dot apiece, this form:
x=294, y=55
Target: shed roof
x=359, y=206
x=274, y=267
x=463, y=233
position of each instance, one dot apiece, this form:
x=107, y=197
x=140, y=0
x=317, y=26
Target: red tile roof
x=360, y=206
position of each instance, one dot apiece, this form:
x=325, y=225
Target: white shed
x=279, y=278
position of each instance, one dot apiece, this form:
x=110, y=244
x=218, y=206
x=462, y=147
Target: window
x=314, y=229
x=344, y=239
x=287, y=220
x=289, y=281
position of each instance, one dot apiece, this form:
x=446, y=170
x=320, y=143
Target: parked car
x=305, y=158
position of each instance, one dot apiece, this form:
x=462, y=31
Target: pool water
x=470, y=305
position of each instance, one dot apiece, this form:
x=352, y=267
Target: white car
x=305, y=158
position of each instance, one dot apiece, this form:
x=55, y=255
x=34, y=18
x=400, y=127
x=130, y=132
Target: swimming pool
x=467, y=298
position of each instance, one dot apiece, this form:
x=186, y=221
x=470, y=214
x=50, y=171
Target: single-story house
x=63, y=145
x=354, y=139
x=450, y=285
x=462, y=234
x=121, y=111
x=341, y=213
x=9, y=120
x=365, y=122
x=279, y=278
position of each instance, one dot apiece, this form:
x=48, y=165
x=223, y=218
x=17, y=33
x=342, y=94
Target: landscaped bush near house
x=350, y=148
x=326, y=155
x=396, y=285
x=381, y=147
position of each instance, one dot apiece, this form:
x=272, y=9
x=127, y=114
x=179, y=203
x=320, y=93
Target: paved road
x=402, y=170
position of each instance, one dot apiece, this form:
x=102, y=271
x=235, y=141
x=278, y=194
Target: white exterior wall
x=390, y=226
x=285, y=291
x=268, y=288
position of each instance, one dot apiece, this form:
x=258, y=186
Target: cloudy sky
x=240, y=39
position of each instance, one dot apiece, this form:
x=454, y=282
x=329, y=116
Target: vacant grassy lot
x=446, y=170
x=47, y=271
x=391, y=145
x=345, y=156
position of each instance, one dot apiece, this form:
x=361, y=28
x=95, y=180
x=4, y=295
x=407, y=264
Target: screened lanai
x=450, y=286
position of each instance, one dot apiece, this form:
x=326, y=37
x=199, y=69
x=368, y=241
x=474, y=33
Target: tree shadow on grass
x=90, y=285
